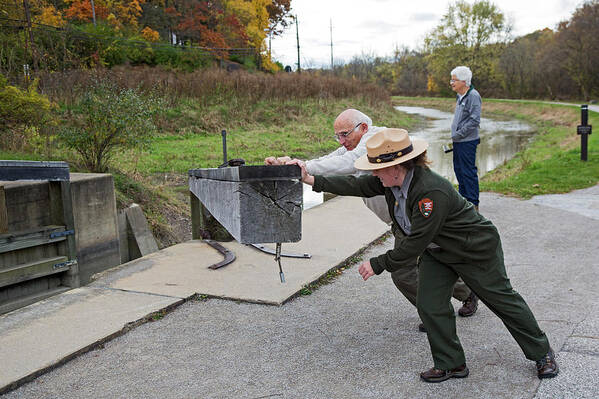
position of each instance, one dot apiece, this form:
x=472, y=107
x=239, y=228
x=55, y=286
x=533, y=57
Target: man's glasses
x=344, y=135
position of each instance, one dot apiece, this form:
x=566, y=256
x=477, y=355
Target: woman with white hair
x=464, y=132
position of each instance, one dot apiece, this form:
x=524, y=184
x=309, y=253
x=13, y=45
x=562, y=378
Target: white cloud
x=379, y=25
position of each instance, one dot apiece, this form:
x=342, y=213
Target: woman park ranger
x=452, y=239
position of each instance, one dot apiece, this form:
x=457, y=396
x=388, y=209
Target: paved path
x=351, y=339
x=591, y=107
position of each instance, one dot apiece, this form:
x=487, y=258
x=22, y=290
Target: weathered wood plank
x=27, y=239
x=253, y=212
x=32, y=270
x=34, y=170
x=249, y=173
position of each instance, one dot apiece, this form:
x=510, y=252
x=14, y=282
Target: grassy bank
x=551, y=163
x=298, y=129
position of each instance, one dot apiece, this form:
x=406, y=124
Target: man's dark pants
x=406, y=278
x=464, y=166
x=490, y=283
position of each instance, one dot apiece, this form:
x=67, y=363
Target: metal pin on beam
x=278, y=259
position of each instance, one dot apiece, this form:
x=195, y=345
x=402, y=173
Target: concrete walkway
x=348, y=339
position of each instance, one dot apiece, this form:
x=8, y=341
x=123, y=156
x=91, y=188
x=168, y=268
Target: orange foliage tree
x=119, y=12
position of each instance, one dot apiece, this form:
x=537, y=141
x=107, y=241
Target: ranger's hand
x=306, y=177
x=365, y=270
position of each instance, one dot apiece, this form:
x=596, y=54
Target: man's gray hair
x=357, y=117
x=463, y=73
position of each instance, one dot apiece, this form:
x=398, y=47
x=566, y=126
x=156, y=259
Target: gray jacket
x=466, y=119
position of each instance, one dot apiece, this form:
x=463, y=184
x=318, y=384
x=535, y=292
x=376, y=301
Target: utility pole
x=331, y=25
x=269, y=45
x=28, y=19
x=93, y=12
x=299, y=68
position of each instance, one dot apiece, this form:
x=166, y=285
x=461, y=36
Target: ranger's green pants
x=406, y=279
x=490, y=283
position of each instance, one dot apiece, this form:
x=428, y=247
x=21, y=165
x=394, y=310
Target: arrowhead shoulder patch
x=426, y=207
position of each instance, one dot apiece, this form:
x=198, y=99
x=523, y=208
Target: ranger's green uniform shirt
x=438, y=214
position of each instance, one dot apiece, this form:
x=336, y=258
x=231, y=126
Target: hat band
x=390, y=156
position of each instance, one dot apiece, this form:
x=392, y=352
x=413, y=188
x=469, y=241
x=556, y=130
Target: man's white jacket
x=341, y=162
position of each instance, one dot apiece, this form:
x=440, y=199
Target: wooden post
x=584, y=130
x=3, y=212
x=195, y=216
x=203, y=224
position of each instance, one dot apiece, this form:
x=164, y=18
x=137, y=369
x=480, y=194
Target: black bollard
x=584, y=129
x=224, y=134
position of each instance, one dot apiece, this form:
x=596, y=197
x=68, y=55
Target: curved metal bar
x=229, y=255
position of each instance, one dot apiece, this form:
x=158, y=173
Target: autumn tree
x=119, y=13
x=155, y=15
x=578, y=41
x=253, y=16
x=198, y=21
x=464, y=37
x=279, y=16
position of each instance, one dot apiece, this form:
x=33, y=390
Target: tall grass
x=214, y=85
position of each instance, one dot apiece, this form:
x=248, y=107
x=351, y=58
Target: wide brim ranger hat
x=390, y=147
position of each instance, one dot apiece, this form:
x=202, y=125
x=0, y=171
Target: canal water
x=500, y=140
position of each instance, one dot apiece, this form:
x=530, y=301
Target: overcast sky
x=377, y=26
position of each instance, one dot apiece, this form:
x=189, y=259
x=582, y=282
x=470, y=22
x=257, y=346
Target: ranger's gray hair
x=463, y=73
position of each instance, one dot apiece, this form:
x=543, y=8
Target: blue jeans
x=464, y=166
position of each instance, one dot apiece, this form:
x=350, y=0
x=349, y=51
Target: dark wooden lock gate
x=39, y=262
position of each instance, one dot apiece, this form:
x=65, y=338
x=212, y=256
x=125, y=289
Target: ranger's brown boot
x=436, y=375
x=547, y=367
x=469, y=306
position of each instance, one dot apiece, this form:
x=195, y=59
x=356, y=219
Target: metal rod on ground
x=278, y=259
